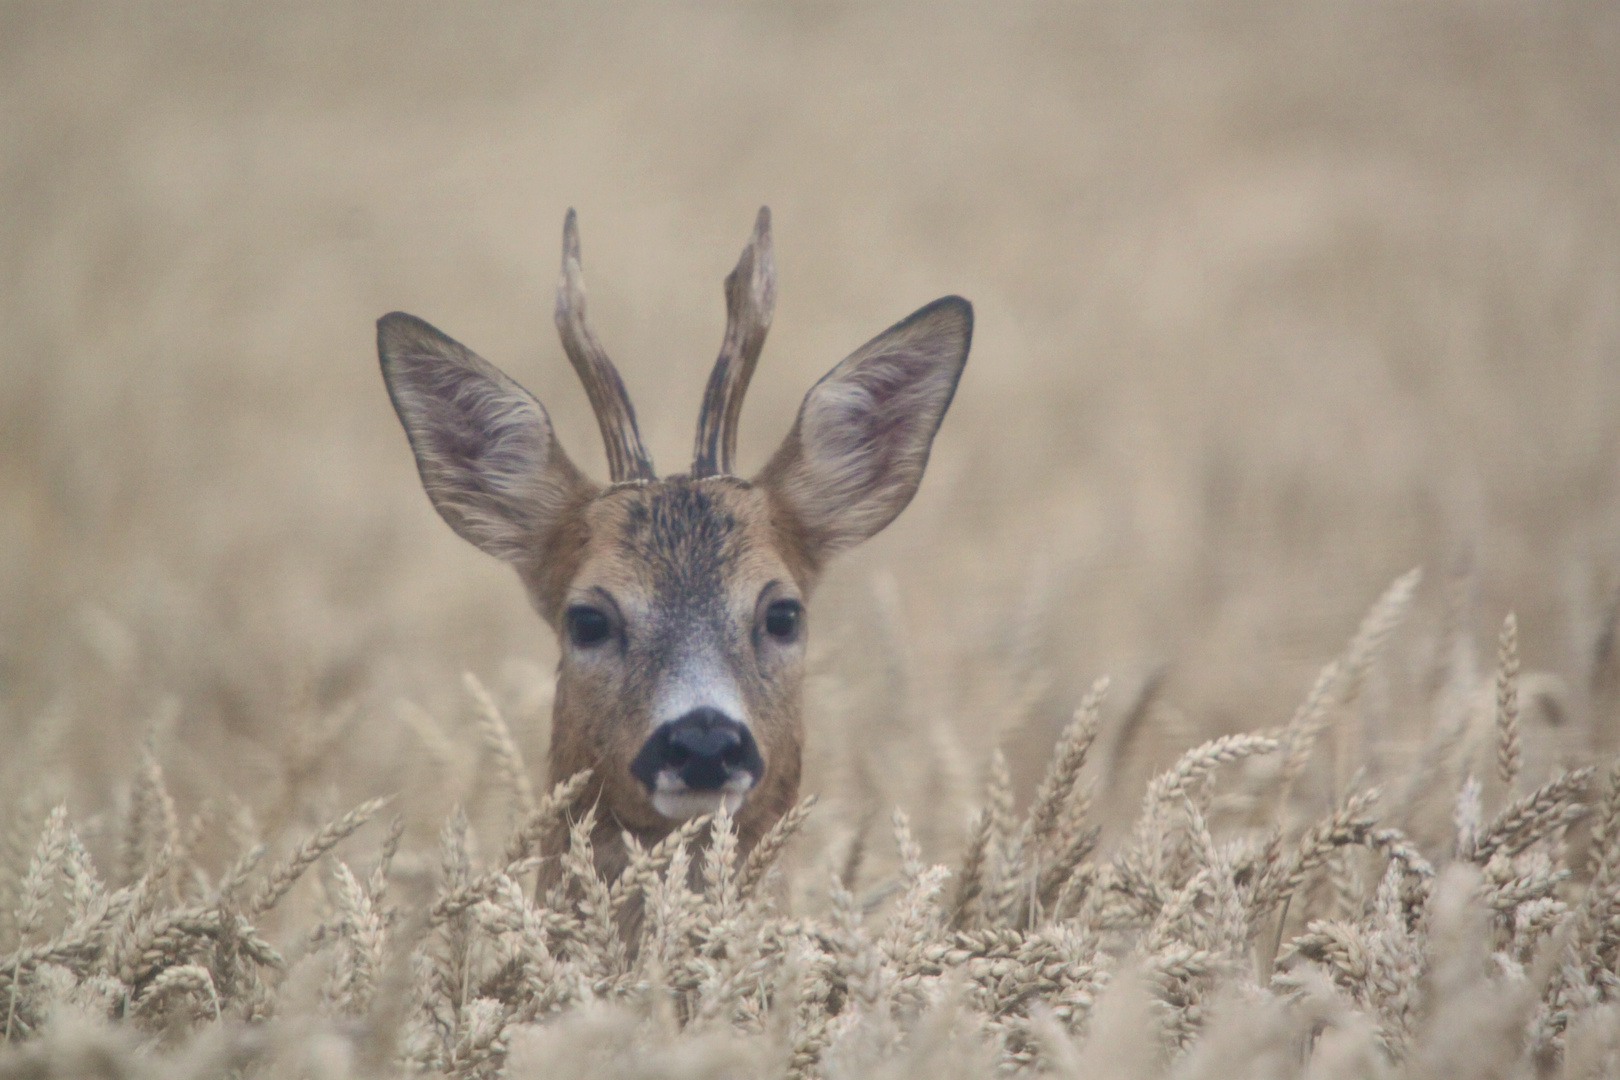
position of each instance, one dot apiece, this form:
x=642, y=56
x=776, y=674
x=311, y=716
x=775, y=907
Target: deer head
x=679, y=602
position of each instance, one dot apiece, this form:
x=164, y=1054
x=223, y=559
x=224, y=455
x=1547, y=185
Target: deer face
x=679, y=602
x=683, y=638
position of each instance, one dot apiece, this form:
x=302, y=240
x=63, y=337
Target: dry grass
x=1273, y=304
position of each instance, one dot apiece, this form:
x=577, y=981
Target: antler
x=750, y=299
x=627, y=458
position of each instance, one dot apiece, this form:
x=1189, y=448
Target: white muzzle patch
x=698, y=684
x=673, y=799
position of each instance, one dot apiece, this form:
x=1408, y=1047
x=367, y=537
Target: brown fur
x=720, y=531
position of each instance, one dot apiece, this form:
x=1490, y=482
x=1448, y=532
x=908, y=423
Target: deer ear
x=483, y=444
x=858, y=449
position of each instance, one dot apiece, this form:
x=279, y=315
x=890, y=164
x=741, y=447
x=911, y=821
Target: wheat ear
x=286, y=874
x=1508, y=753
x=1380, y=622
x=1058, y=784
x=763, y=857
x=498, y=739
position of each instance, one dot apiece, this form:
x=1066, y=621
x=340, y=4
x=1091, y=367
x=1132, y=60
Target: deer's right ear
x=484, y=446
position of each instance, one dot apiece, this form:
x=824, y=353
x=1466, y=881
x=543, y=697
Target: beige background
x=1274, y=303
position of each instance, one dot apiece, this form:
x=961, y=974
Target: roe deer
x=679, y=602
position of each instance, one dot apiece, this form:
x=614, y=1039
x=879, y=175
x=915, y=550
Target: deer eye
x=588, y=626
x=783, y=618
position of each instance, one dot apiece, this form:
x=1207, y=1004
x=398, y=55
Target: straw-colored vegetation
x=1274, y=303
x=1335, y=948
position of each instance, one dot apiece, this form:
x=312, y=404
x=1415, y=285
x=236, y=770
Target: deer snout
x=693, y=764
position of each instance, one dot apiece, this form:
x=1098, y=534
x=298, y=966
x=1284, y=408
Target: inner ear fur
x=858, y=449
x=489, y=459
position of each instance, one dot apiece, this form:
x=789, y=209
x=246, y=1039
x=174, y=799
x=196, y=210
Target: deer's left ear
x=858, y=449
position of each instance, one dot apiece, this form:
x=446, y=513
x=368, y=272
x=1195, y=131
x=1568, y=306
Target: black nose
x=705, y=748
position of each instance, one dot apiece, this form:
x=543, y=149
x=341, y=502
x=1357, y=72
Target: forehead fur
x=680, y=532
x=684, y=537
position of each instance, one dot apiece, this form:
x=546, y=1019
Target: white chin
x=680, y=805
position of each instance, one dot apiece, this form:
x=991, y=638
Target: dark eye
x=587, y=626
x=783, y=618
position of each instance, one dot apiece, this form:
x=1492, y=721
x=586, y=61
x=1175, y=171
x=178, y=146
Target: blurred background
x=1274, y=303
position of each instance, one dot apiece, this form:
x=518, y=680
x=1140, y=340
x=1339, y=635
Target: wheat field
x=1240, y=696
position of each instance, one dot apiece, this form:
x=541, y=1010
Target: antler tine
x=627, y=457
x=750, y=301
